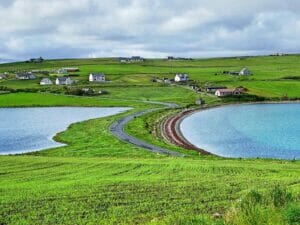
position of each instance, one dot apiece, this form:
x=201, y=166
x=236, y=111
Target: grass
x=98, y=179
x=276, y=206
x=46, y=99
x=127, y=191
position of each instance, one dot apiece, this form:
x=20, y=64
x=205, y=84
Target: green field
x=98, y=179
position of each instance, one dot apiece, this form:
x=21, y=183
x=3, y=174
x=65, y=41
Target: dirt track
x=172, y=132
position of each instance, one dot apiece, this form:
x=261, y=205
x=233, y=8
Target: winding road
x=118, y=130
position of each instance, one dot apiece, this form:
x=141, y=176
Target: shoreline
x=171, y=126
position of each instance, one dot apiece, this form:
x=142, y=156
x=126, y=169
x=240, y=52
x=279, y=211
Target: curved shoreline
x=171, y=126
x=171, y=131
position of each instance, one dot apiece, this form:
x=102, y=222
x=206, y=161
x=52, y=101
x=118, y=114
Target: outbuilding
x=212, y=89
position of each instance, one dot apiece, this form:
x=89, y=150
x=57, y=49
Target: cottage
x=227, y=92
x=25, y=76
x=66, y=70
x=97, y=77
x=46, y=81
x=245, y=72
x=137, y=59
x=212, y=89
x=123, y=60
x=36, y=60
x=181, y=77
x=64, y=81
x=3, y=76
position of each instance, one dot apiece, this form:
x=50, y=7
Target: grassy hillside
x=98, y=179
x=272, y=76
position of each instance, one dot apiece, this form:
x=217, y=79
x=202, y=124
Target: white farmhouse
x=181, y=77
x=97, y=77
x=46, y=81
x=64, y=81
x=245, y=72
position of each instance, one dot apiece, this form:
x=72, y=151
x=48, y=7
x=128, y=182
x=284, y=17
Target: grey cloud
x=198, y=28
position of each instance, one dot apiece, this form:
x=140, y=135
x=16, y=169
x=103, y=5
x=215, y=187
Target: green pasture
x=98, y=179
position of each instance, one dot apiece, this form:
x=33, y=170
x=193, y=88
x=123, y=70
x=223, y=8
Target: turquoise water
x=248, y=131
x=31, y=129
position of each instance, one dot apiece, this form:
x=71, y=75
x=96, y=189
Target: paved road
x=117, y=129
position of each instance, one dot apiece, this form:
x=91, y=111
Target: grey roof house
x=97, y=77
x=25, y=76
x=64, y=81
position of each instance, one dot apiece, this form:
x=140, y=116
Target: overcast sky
x=150, y=28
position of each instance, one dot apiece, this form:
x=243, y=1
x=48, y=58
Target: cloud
x=156, y=28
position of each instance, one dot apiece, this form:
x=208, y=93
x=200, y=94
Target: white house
x=245, y=72
x=227, y=92
x=46, y=81
x=181, y=77
x=97, y=77
x=64, y=81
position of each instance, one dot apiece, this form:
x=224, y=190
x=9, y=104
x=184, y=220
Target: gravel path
x=118, y=130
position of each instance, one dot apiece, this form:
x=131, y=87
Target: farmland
x=98, y=179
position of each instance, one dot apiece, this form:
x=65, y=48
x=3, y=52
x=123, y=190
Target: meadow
x=98, y=179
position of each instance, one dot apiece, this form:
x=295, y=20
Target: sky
x=149, y=28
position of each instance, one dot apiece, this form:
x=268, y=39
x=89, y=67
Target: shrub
x=292, y=214
x=269, y=209
x=251, y=199
x=280, y=196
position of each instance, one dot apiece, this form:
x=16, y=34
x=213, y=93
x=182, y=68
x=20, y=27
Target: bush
x=292, y=214
x=251, y=199
x=273, y=208
x=191, y=220
x=280, y=196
